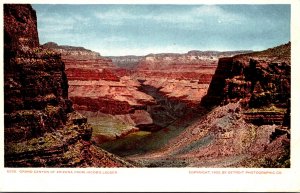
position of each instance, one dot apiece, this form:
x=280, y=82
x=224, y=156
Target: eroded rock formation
x=41, y=127
x=181, y=77
x=260, y=81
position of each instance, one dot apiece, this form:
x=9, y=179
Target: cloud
x=197, y=15
x=214, y=12
x=173, y=18
x=59, y=23
x=143, y=29
x=115, y=16
x=121, y=16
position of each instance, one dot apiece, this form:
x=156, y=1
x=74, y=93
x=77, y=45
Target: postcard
x=150, y=96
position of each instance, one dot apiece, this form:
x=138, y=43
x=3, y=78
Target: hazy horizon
x=119, y=30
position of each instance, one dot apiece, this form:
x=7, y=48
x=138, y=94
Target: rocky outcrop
x=80, y=57
x=83, y=64
x=260, y=81
x=41, y=127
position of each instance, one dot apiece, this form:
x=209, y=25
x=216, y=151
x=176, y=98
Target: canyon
x=149, y=94
x=68, y=106
x=242, y=121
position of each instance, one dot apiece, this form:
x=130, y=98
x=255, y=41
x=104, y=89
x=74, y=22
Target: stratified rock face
x=181, y=77
x=80, y=56
x=41, y=128
x=260, y=81
x=95, y=84
x=193, y=59
x=83, y=64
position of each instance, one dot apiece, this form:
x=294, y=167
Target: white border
x=162, y=179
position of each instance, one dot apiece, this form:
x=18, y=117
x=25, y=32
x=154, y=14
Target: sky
x=117, y=30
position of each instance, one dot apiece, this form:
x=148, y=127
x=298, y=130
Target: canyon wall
x=41, y=127
x=181, y=77
x=104, y=93
x=260, y=81
x=96, y=84
x=192, y=60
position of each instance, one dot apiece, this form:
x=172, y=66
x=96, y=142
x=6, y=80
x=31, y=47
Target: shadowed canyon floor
x=67, y=106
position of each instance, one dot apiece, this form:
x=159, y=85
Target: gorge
x=67, y=106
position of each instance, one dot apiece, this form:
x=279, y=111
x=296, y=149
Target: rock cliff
x=260, y=81
x=41, y=127
x=79, y=56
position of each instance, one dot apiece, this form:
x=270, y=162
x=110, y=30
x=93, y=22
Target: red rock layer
x=180, y=77
x=91, y=74
x=79, y=56
x=97, y=85
x=41, y=128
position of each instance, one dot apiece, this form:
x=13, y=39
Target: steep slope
x=41, y=127
x=220, y=138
